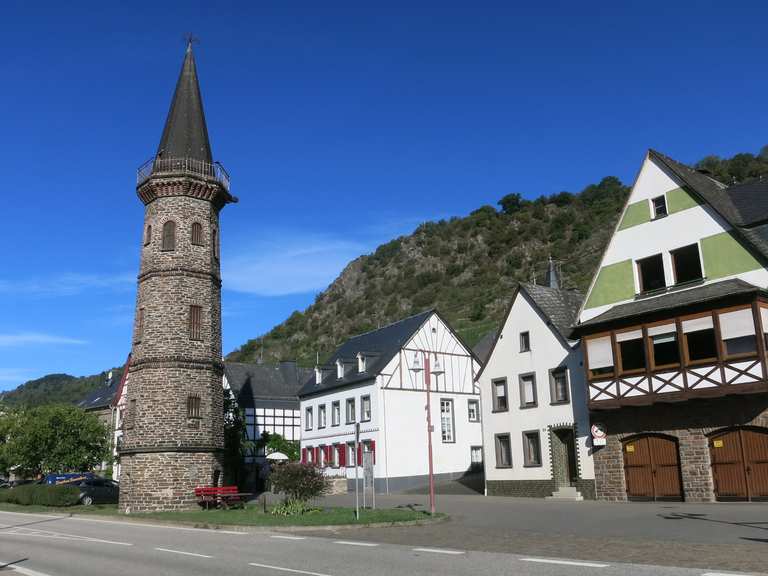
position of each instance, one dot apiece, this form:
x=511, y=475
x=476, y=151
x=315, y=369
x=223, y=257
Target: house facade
x=534, y=409
x=673, y=332
x=378, y=380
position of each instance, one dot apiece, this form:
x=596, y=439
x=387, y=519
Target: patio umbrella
x=279, y=456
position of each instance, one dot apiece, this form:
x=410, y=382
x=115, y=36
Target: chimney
x=552, y=279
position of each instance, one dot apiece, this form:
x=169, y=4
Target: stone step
x=567, y=494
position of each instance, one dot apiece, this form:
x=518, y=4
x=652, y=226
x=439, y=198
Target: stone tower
x=174, y=424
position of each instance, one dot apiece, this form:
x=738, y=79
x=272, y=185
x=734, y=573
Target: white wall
x=547, y=352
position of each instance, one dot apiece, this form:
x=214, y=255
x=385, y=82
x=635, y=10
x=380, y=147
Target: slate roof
x=384, y=342
x=100, y=398
x=251, y=382
x=743, y=206
x=671, y=301
x=483, y=348
x=185, y=134
x=561, y=307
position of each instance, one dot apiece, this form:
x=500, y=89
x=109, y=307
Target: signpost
x=599, y=434
x=357, y=472
x=368, y=478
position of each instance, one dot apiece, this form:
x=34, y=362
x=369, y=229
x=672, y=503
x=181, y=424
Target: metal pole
x=357, y=473
x=429, y=436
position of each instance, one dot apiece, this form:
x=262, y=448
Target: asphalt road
x=77, y=546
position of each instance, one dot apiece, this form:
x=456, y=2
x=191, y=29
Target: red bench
x=220, y=497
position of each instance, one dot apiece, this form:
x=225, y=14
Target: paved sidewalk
x=715, y=536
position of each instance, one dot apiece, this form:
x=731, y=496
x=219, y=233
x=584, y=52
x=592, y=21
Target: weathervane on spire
x=190, y=39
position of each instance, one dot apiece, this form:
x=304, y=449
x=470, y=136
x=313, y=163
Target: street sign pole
x=357, y=472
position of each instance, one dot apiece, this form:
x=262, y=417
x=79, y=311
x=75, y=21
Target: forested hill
x=57, y=389
x=467, y=267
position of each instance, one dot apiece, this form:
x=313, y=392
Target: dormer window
x=339, y=369
x=361, y=362
x=318, y=375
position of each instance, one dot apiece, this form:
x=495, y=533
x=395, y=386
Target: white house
x=535, y=419
x=378, y=379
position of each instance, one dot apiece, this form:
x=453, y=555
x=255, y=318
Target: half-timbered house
x=674, y=336
x=379, y=380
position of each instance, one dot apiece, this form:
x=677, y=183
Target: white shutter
x=737, y=324
x=663, y=329
x=600, y=353
x=631, y=335
x=703, y=323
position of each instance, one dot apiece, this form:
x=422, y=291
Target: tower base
x=159, y=481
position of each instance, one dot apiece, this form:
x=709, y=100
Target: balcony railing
x=182, y=166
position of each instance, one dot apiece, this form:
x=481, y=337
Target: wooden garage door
x=740, y=464
x=652, y=469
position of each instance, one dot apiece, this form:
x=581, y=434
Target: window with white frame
x=321, y=416
x=351, y=455
x=339, y=369
x=365, y=409
x=446, y=420
x=361, y=363
x=473, y=410
x=600, y=356
x=335, y=413
x=476, y=457
x=308, y=418
x=350, y=410
x=659, y=206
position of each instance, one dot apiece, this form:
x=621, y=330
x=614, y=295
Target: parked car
x=99, y=491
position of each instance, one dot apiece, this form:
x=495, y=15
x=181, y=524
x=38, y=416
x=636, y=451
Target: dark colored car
x=98, y=491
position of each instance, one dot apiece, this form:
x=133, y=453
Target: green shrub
x=299, y=481
x=41, y=495
x=293, y=508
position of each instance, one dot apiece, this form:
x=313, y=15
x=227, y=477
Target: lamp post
x=437, y=370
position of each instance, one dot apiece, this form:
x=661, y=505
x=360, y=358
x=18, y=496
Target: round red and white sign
x=598, y=430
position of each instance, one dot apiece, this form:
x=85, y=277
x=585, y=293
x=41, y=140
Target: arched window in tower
x=197, y=234
x=148, y=235
x=169, y=235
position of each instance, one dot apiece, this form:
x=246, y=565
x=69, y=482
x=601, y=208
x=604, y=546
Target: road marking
x=350, y=543
x=281, y=569
x=148, y=525
x=566, y=562
x=439, y=551
x=282, y=537
x=32, y=514
x=721, y=574
x=27, y=571
x=183, y=553
x=58, y=536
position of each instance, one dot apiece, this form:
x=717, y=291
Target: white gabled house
x=535, y=418
x=377, y=379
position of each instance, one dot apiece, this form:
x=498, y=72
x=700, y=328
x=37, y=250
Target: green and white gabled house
x=673, y=331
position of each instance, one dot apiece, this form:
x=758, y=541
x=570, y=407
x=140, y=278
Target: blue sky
x=343, y=125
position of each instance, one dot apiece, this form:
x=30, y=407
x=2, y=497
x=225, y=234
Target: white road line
x=439, y=551
x=281, y=569
x=148, y=525
x=722, y=574
x=183, y=553
x=26, y=532
x=283, y=537
x=566, y=562
x=28, y=571
x=350, y=543
x=32, y=514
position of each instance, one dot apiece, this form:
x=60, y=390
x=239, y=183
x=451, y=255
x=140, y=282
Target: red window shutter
x=317, y=454
x=303, y=455
x=373, y=450
x=342, y=455
x=359, y=454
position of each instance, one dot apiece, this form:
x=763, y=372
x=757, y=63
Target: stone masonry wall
x=690, y=423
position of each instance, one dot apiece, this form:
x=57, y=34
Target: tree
x=512, y=203
x=276, y=443
x=55, y=438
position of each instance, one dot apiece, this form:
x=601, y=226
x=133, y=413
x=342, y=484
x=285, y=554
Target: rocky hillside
x=467, y=267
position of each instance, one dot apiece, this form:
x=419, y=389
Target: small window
x=339, y=369
x=700, y=342
x=334, y=463
x=169, y=236
x=528, y=398
x=308, y=418
x=532, y=448
x=503, y=451
x=361, y=363
x=140, y=325
x=473, y=410
x=558, y=382
x=365, y=409
x=197, y=234
x=310, y=452
x=446, y=420
x=350, y=410
x=193, y=406
x=737, y=329
x=631, y=351
x=659, y=207
x=665, y=351
x=525, y=342
x=476, y=457
x=148, y=235
x=335, y=413
x=686, y=264
x=351, y=456
x=600, y=356
x=195, y=322
x=321, y=416
x=500, y=402
x=651, y=273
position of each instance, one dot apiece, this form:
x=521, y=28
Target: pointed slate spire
x=185, y=134
x=553, y=276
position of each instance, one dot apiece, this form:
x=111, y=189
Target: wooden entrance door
x=652, y=469
x=740, y=464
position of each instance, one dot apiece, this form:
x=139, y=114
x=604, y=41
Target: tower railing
x=157, y=166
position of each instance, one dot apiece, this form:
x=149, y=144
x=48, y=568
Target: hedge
x=41, y=495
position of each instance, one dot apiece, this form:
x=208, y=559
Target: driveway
x=716, y=536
